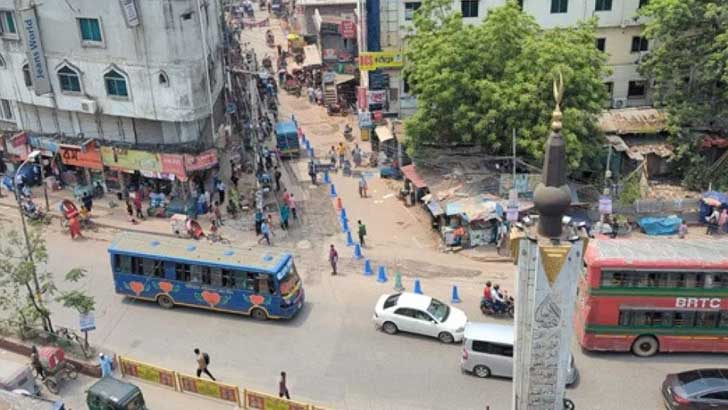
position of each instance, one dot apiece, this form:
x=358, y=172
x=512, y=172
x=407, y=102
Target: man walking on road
x=333, y=258
x=265, y=231
x=220, y=186
x=277, y=174
x=282, y=388
x=362, y=232
x=203, y=360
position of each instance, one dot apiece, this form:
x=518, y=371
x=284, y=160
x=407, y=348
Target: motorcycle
x=488, y=307
x=348, y=133
x=32, y=212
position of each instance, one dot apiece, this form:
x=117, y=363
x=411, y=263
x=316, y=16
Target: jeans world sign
x=36, y=57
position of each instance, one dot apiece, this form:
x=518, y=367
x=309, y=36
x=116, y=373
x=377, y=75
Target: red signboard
x=347, y=28
x=19, y=139
x=84, y=158
x=361, y=97
x=174, y=164
x=205, y=160
x=378, y=115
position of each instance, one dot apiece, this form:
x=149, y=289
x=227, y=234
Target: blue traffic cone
x=357, y=251
x=344, y=225
x=455, y=296
x=398, y=282
x=333, y=191
x=349, y=240
x=368, y=268
x=327, y=179
x=382, y=277
x=343, y=214
x=418, y=287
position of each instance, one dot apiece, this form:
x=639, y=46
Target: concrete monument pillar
x=548, y=266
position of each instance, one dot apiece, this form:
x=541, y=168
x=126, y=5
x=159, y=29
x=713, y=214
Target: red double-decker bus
x=654, y=295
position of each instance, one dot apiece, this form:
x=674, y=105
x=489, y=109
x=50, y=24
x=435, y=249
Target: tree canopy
x=687, y=65
x=476, y=83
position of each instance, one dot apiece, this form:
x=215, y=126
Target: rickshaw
x=184, y=226
x=57, y=368
x=292, y=85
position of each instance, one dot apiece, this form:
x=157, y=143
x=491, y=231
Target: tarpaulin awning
x=311, y=56
x=410, y=172
x=383, y=133
x=475, y=208
x=342, y=78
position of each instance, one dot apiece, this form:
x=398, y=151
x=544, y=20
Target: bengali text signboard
x=130, y=159
x=209, y=388
x=147, y=372
x=369, y=61
x=261, y=401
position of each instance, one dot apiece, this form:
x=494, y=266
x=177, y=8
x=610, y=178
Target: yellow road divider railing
x=209, y=388
x=260, y=401
x=147, y=372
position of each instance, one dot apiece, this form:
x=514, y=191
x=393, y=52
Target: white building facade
x=133, y=71
x=618, y=33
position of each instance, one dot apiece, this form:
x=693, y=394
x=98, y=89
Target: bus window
x=723, y=319
x=289, y=281
x=201, y=274
x=227, y=279
x=216, y=277
x=625, y=317
x=706, y=319
x=137, y=266
x=182, y=272
x=153, y=268
x=719, y=280
x=683, y=319
x=123, y=263
x=265, y=283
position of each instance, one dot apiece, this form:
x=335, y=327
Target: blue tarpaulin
x=660, y=226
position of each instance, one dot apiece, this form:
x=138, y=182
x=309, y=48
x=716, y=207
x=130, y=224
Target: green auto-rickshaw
x=114, y=394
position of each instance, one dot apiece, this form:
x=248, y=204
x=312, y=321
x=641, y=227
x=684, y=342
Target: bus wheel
x=645, y=346
x=259, y=314
x=165, y=301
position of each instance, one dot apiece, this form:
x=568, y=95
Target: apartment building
x=123, y=71
x=618, y=35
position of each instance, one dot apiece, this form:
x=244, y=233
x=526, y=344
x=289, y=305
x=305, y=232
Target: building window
x=69, y=80
x=405, y=87
x=639, y=44
x=90, y=30
x=601, y=44
x=559, y=6
x=7, y=23
x=211, y=70
x=7, y=110
x=469, y=8
x=115, y=84
x=636, y=89
x=410, y=8
x=603, y=5
x=609, y=86
x=26, y=76
x=2, y=62
x=643, y=3
x=163, y=79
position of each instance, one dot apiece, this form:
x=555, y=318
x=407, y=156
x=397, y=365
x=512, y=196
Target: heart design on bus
x=137, y=287
x=166, y=287
x=257, y=299
x=211, y=298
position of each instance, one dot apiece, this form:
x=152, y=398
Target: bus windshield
x=289, y=281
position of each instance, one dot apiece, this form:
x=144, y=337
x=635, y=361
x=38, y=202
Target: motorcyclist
x=29, y=208
x=486, y=292
x=498, y=301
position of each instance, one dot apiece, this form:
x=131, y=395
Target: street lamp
x=32, y=156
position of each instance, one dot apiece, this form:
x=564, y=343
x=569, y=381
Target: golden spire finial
x=558, y=95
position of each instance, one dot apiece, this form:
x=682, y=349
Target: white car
x=414, y=313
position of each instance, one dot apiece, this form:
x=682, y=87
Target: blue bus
x=172, y=271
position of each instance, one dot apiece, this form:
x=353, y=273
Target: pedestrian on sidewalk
x=682, y=230
x=221, y=191
x=265, y=232
x=203, y=360
x=333, y=258
x=88, y=201
x=286, y=197
x=311, y=95
x=332, y=157
x=130, y=210
x=292, y=205
x=269, y=12
x=216, y=214
x=362, y=187
x=282, y=388
x=35, y=362
x=277, y=175
x=312, y=171
x=138, y=204
x=105, y=364
x=362, y=230
x=285, y=213
x=258, y=221
x=342, y=154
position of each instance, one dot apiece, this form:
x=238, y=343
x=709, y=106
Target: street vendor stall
x=414, y=186
x=480, y=216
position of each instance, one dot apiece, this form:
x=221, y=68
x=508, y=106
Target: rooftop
x=697, y=252
x=640, y=120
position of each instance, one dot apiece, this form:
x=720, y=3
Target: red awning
x=410, y=173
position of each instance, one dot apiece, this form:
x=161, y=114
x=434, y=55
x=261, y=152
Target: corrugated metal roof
x=665, y=252
x=383, y=133
x=198, y=251
x=410, y=172
x=642, y=120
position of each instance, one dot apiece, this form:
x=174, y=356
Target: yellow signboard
x=372, y=60
x=147, y=372
x=129, y=159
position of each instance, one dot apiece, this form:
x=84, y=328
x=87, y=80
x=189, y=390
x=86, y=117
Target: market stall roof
x=342, y=78
x=475, y=208
x=637, y=148
x=410, y=172
x=312, y=56
x=383, y=133
x=642, y=120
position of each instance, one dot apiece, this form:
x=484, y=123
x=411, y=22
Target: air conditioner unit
x=619, y=103
x=89, y=106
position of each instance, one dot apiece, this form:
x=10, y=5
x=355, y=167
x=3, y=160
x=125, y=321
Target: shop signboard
x=43, y=143
x=205, y=160
x=130, y=12
x=40, y=77
x=330, y=54
x=84, y=158
x=18, y=146
x=347, y=28
x=130, y=159
x=361, y=97
x=605, y=205
x=174, y=164
x=371, y=60
x=365, y=119
x=377, y=96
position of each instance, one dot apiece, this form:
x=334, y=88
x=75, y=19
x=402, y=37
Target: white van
x=488, y=351
x=16, y=376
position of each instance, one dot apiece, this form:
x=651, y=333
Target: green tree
x=476, y=83
x=687, y=63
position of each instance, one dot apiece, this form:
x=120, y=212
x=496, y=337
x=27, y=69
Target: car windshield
x=289, y=282
x=391, y=301
x=438, y=310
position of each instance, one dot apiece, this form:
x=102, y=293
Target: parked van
x=110, y=393
x=17, y=376
x=488, y=351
